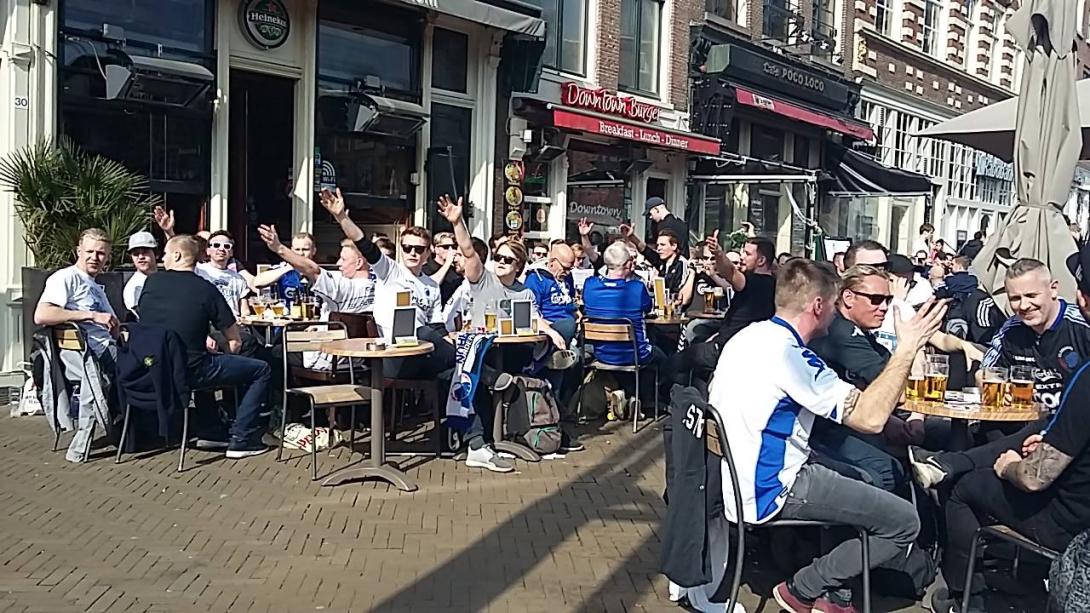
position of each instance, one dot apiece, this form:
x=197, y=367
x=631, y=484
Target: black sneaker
x=942, y=601
x=207, y=444
x=240, y=451
x=568, y=445
x=927, y=467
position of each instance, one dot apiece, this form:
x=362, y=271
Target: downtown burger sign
x=608, y=103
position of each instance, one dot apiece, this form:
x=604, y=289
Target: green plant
x=61, y=190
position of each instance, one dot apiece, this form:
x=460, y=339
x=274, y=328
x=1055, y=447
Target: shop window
x=448, y=156
x=766, y=143
x=565, y=35
x=930, y=27
x=351, y=53
x=450, y=55
x=174, y=24
x=802, y=152
x=883, y=12
x=640, y=30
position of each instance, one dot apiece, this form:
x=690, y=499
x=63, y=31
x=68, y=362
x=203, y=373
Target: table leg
x=959, y=435
x=377, y=467
x=516, y=449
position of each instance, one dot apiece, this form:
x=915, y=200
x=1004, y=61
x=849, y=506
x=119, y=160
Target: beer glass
x=935, y=378
x=718, y=293
x=258, y=306
x=1021, y=386
x=994, y=384
x=709, y=302
x=490, y=318
x=916, y=383
x=278, y=308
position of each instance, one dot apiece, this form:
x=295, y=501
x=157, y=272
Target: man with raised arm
x=769, y=389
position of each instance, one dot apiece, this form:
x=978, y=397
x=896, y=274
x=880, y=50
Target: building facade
x=240, y=111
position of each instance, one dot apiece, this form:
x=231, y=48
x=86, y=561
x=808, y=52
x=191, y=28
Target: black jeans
x=696, y=363
x=423, y=366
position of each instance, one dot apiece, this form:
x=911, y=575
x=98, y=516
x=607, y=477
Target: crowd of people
x=805, y=361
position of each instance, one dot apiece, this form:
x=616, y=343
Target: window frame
x=637, y=38
x=883, y=16
x=929, y=34
x=556, y=65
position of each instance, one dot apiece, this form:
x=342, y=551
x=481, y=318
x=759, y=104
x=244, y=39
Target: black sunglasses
x=875, y=299
x=446, y=246
x=414, y=248
x=506, y=259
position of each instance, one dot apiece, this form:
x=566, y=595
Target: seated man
x=217, y=271
x=445, y=268
x=1036, y=481
x=554, y=294
x=769, y=389
x=706, y=280
x=179, y=300
x=284, y=278
x=392, y=277
x=494, y=289
x=142, y=251
x=71, y=295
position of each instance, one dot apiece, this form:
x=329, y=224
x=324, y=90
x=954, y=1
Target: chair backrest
x=359, y=325
x=68, y=337
x=715, y=439
x=312, y=340
x=608, y=332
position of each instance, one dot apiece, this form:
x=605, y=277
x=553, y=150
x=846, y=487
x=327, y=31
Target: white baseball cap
x=142, y=239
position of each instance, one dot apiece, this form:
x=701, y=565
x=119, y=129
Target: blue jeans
x=844, y=445
x=251, y=378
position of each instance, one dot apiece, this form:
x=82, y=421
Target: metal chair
x=302, y=337
x=1004, y=533
x=67, y=337
x=615, y=331
x=718, y=446
x=185, y=423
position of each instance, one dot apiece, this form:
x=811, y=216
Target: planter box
x=34, y=283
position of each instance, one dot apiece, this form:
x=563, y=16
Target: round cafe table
x=376, y=467
x=268, y=325
x=960, y=415
x=515, y=448
x=706, y=315
x=673, y=321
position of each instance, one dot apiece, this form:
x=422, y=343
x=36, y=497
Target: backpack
x=533, y=415
x=1069, y=578
x=597, y=387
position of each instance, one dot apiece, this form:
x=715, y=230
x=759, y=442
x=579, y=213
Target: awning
x=485, y=14
x=851, y=172
x=799, y=113
x=732, y=168
x=571, y=118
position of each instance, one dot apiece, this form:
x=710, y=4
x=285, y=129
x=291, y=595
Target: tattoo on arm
x=1038, y=470
x=850, y=402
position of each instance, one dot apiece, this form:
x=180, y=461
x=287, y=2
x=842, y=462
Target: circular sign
x=513, y=220
x=265, y=23
x=513, y=172
x=513, y=196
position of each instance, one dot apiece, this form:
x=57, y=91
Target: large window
x=351, y=50
x=779, y=19
x=883, y=13
x=640, y=32
x=174, y=24
x=566, y=35
x=727, y=9
x=930, y=31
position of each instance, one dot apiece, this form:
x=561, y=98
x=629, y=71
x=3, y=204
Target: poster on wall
x=513, y=174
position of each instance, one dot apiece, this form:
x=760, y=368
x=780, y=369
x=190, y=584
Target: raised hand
x=164, y=219
x=585, y=226
x=626, y=230
x=917, y=331
x=333, y=202
x=711, y=243
x=268, y=234
x=451, y=210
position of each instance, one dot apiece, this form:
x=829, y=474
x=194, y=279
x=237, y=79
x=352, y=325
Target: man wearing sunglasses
x=445, y=267
x=554, y=295
x=221, y=246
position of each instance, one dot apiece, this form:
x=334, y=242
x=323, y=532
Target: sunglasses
x=419, y=249
x=224, y=246
x=506, y=259
x=563, y=266
x=446, y=246
x=880, y=265
x=875, y=299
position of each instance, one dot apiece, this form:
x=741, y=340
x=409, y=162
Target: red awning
x=799, y=113
x=596, y=123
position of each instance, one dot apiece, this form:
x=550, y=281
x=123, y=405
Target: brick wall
x=684, y=13
x=609, y=43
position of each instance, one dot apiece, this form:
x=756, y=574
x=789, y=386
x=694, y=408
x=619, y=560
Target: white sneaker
x=486, y=457
x=561, y=360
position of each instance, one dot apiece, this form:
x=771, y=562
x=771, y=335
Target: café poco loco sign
x=265, y=23
x=609, y=103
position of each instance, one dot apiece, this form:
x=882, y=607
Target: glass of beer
x=994, y=384
x=916, y=383
x=719, y=294
x=709, y=302
x=1021, y=386
x=490, y=318
x=259, y=307
x=278, y=308
x=935, y=378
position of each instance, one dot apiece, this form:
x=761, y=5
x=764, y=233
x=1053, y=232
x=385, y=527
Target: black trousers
x=696, y=363
x=980, y=498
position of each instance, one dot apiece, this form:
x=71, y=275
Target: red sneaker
x=789, y=602
x=825, y=604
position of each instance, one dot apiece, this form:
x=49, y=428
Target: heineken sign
x=265, y=22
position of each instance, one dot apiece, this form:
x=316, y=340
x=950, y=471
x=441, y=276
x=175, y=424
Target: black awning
x=743, y=169
x=851, y=172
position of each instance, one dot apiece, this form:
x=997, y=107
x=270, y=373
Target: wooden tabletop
x=357, y=348
x=279, y=322
x=514, y=339
x=703, y=315
x=975, y=412
x=658, y=321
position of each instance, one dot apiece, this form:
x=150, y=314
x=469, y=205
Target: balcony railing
x=727, y=9
x=782, y=21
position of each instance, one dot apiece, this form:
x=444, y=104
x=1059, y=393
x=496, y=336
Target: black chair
x=67, y=337
x=1009, y=535
x=718, y=445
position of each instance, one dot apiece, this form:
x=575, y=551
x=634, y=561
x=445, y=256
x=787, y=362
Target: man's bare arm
x=234, y=339
x=306, y=267
x=724, y=268
x=1038, y=470
x=46, y=314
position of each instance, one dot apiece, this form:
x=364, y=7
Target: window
x=386, y=58
x=779, y=16
x=883, y=11
x=174, y=24
x=766, y=143
x=802, y=152
x=448, y=157
x=640, y=29
x=565, y=36
x=823, y=29
x=450, y=54
x=931, y=26
x=722, y=8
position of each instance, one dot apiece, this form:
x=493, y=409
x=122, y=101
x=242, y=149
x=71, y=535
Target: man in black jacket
x=663, y=219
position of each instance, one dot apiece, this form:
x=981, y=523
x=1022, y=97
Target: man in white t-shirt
x=407, y=276
x=235, y=289
x=72, y=295
x=142, y=251
x=769, y=388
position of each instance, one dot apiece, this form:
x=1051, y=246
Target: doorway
x=260, y=166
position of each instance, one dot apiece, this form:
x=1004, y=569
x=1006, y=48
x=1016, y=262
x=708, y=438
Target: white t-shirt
x=133, y=287
x=768, y=388
x=74, y=290
x=459, y=304
x=231, y=284
x=391, y=278
x=340, y=294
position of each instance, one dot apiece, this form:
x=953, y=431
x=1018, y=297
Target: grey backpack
x=533, y=415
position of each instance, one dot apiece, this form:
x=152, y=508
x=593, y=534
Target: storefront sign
x=595, y=211
x=608, y=103
x=798, y=81
x=988, y=165
x=513, y=173
x=265, y=23
x=635, y=132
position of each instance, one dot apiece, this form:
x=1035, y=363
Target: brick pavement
x=577, y=534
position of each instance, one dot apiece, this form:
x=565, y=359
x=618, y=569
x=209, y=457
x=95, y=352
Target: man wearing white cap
x=142, y=251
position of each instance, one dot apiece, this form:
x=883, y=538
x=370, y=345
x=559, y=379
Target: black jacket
x=151, y=373
x=694, y=485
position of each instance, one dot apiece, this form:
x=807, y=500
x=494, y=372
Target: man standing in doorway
x=663, y=219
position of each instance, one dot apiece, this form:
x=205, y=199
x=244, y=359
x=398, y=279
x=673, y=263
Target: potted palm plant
x=59, y=191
